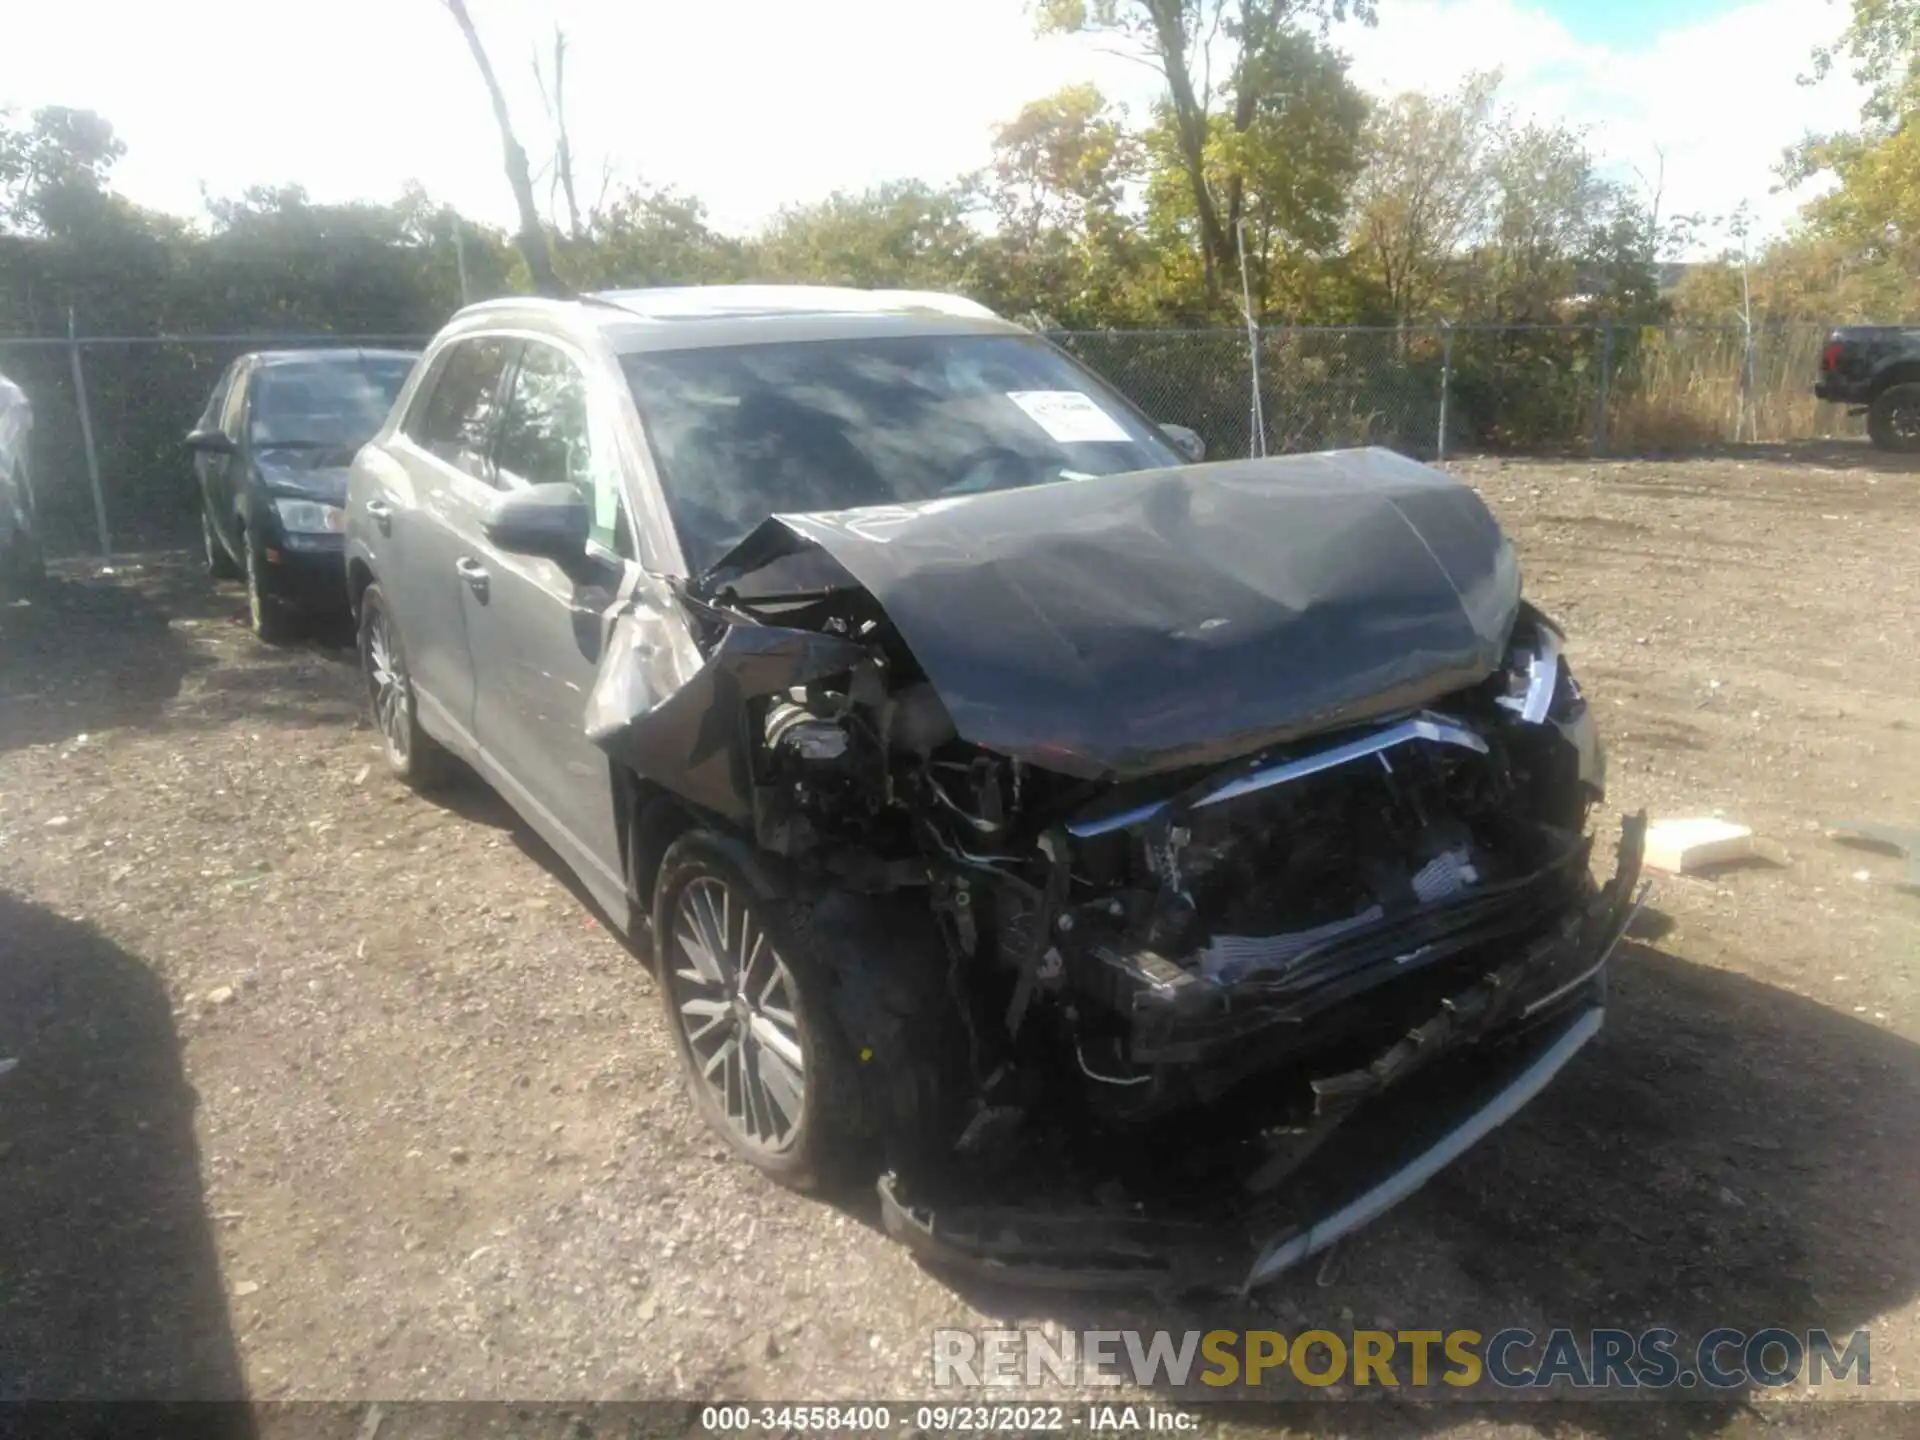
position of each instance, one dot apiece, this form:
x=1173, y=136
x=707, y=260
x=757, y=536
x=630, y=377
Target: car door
x=537, y=625
x=212, y=473
x=431, y=527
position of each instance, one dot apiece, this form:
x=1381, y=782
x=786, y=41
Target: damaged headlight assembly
x=1145, y=833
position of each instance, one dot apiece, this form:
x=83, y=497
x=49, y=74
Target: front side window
x=323, y=404
x=547, y=437
x=456, y=423
x=743, y=432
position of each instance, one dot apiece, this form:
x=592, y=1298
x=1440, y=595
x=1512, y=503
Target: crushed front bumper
x=1486, y=1053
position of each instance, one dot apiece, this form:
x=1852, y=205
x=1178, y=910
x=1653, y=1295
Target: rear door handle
x=474, y=573
x=382, y=514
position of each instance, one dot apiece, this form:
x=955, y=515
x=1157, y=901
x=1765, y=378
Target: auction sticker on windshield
x=1068, y=416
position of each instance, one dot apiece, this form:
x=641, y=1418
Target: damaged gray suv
x=1091, y=843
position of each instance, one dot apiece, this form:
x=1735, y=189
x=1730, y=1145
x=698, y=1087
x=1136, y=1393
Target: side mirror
x=211, y=442
x=1187, y=442
x=551, y=521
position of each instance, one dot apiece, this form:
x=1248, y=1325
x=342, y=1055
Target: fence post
x=1606, y=388
x=86, y=436
x=1446, y=383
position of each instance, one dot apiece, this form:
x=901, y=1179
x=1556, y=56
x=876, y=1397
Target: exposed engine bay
x=1339, y=836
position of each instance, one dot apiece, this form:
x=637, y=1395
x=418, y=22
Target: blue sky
x=1627, y=24
x=785, y=102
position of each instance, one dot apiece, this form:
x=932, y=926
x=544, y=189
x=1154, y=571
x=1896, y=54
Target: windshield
x=743, y=432
x=324, y=403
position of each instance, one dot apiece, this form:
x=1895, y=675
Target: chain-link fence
x=1449, y=390
x=109, y=414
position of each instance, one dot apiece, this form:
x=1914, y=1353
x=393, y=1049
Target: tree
x=533, y=235
x=54, y=169
x=1177, y=38
x=1290, y=169
x=1883, y=43
x=1867, y=226
x=652, y=237
x=904, y=233
x=554, y=98
x=1558, y=230
x=1426, y=192
x=1064, y=243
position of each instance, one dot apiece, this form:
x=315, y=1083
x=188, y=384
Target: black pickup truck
x=1876, y=368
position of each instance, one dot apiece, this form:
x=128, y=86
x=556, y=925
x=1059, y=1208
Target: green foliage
x=903, y=234
x=1863, y=234
x=650, y=237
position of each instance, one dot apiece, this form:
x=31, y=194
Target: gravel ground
x=328, y=1091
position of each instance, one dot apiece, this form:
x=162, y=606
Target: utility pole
x=1259, y=416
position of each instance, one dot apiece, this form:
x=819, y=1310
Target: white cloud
x=1720, y=95
x=767, y=102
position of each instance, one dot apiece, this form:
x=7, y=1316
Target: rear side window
x=457, y=420
x=235, y=404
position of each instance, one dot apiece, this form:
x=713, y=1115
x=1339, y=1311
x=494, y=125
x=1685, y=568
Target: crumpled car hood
x=1135, y=624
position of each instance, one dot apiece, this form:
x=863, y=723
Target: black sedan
x=271, y=452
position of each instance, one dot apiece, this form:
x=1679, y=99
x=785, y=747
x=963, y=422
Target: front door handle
x=474, y=573
x=382, y=514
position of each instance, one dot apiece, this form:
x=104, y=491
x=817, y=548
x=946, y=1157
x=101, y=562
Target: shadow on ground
x=1728, y=1154
x=112, y=1281
x=117, y=644
x=1834, y=454
x=92, y=650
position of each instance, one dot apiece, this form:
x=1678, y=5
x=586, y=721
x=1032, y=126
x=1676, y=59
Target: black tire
x=414, y=757
x=1893, y=420
x=219, y=563
x=825, y=1144
x=266, y=616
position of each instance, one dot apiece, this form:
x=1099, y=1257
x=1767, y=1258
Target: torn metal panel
x=1436, y=728
x=685, y=731
x=1136, y=624
x=1524, y=1018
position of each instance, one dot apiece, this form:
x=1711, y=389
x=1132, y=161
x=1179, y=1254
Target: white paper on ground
x=1068, y=416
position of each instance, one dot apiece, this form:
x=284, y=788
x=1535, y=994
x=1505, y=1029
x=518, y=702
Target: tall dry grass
x=1681, y=388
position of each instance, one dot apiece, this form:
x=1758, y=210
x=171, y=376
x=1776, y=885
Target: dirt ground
x=328, y=1091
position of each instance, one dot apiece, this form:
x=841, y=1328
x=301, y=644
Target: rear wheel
x=1893, y=420
x=747, y=1001
x=414, y=756
x=266, y=617
x=219, y=563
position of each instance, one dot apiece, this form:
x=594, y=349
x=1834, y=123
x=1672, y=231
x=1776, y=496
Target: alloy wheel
x=387, y=680
x=737, y=1006
x=1905, y=422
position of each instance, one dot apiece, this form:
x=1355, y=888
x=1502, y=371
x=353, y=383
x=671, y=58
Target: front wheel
x=413, y=756
x=1893, y=420
x=746, y=1000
